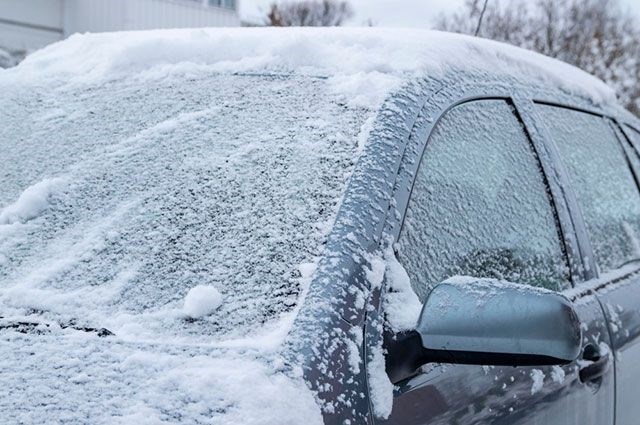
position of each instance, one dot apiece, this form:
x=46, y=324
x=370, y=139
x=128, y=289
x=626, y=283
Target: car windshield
x=118, y=199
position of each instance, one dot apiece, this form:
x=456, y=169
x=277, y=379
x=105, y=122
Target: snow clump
x=202, y=301
x=402, y=305
x=538, y=380
x=31, y=203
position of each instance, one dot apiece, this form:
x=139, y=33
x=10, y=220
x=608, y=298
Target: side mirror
x=483, y=321
x=488, y=322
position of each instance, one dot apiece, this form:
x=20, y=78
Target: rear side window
x=479, y=205
x=602, y=180
x=635, y=136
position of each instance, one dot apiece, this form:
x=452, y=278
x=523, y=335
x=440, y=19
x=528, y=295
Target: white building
x=31, y=24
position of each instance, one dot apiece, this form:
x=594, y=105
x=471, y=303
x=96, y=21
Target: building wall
x=119, y=15
x=31, y=24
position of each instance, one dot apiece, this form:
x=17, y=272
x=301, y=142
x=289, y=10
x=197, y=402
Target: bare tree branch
x=595, y=35
x=309, y=13
x=484, y=9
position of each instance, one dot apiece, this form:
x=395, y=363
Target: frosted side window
x=480, y=206
x=603, y=182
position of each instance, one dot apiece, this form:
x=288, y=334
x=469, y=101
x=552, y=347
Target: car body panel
x=476, y=394
x=443, y=393
x=619, y=294
x=620, y=297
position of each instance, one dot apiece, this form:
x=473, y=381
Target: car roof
x=365, y=63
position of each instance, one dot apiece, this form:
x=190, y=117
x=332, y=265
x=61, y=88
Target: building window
x=227, y=4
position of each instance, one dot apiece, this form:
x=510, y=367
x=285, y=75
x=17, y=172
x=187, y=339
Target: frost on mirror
x=602, y=180
x=480, y=206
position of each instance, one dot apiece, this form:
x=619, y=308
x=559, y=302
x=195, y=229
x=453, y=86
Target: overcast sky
x=393, y=13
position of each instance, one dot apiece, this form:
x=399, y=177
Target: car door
x=621, y=301
x=603, y=167
x=480, y=205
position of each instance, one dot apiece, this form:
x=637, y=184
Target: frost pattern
x=214, y=180
x=479, y=206
x=602, y=180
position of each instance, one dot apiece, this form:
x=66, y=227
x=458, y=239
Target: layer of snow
x=402, y=306
x=215, y=180
x=364, y=64
x=490, y=286
x=201, y=301
x=65, y=376
x=380, y=387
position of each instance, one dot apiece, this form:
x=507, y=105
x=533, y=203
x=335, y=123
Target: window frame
x=592, y=279
x=452, y=96
x=572, y=230
x=529, y=141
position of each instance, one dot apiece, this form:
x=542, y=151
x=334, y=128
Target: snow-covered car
x=340, y=226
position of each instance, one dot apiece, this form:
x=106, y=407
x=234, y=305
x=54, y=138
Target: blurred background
x=599, y=36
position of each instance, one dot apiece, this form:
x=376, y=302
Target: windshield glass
x=118, y=199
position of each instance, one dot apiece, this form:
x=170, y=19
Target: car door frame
x=625, y=323
x=622, y=283
x=572, y=231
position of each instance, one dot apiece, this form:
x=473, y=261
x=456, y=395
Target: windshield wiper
x=33, y=327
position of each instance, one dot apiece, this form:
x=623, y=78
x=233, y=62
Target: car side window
x=480, y=205
x=635, y=136
x=603, y=182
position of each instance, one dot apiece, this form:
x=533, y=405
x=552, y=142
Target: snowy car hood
x=64, y=376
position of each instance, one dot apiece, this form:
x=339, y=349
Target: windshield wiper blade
x=33, y=327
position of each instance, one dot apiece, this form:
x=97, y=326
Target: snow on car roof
x=362, y=62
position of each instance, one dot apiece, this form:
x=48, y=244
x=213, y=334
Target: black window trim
x=592, y=278
x=573, y=234
x=584, y=281
x=450, y=97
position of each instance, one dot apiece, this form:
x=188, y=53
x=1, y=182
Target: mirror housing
x=489, y=322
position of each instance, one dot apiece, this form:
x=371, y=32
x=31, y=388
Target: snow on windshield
x=119, y=199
